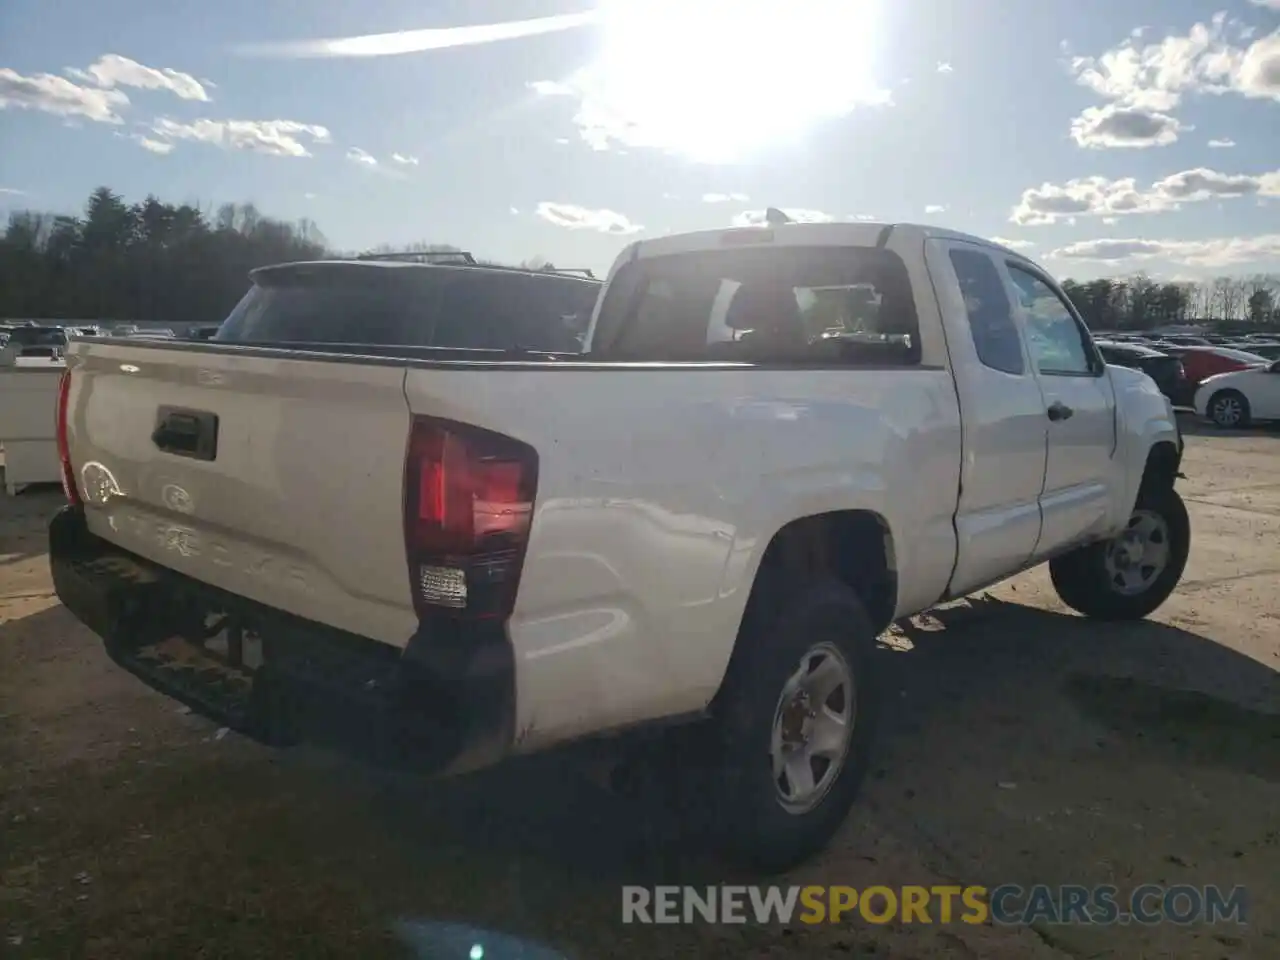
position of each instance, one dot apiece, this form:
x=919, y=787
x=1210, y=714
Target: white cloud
x=308, y=196
x=404, y=160
x=756, y=218
x=1013, y=244
x=112, y=70
x=161, y=147
x=944, y=67
x=935, y=208
x=1269, y=4
x=1205, y=184
x=416, y=41
x=356, y=155
x=280, y=138
x=1084, y=196
x=1117, y=126
x=13, y=191
x=861, y=217
x=1223, y=143
x=515, y=211
x=573, y=217
x=724, y=197
x=1102, y=197
x=1258, y=72
x=57, y=95
x=1144, y=82
x=1216, y=252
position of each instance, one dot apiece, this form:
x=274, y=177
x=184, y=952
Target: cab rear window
x=805, y=305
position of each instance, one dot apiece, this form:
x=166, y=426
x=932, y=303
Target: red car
x=1201, y=362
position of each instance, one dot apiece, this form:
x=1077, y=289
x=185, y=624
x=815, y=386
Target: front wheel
x=1130, y=575
x=795, y=721
x=1229, y=409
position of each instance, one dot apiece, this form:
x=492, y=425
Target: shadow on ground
x=165, y=839
x=23, y=520
x=1162, y=686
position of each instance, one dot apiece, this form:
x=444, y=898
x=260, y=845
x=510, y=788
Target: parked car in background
x=32, y=340
x=1233, y=400
x=1164, y=369
x=1200, y=363
x=416, y=299
x=1269, y=350
x=1185, y=340
x=206, y=332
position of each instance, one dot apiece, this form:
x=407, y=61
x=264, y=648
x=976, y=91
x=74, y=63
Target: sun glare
x=716, y=80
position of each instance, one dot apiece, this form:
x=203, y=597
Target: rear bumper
x=444, y=704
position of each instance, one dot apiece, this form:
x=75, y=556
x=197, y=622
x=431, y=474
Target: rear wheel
x=1229, y=409
x=1132, y=574
x=795, y=722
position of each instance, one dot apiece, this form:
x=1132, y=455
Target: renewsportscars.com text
x=1008, y=904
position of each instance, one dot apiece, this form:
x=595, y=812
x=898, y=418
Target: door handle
x=186, y=433
x=1059, y=411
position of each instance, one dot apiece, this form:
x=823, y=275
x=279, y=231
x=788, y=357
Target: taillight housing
x=468, y=508
x=64, y=445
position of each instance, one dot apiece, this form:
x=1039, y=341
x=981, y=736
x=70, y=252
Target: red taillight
x=64, y=445
x=468, y=505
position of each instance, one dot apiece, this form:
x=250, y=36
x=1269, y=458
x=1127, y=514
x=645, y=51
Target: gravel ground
x=1022, y=745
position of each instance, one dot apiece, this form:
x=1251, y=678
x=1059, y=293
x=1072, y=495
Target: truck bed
x=657, y=492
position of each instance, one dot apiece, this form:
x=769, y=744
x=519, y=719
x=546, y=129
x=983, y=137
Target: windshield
x=1240, y=355
x=415, y=307
x=38, y=336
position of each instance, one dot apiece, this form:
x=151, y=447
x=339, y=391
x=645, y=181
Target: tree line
x=1140, y=303
x=180, y=264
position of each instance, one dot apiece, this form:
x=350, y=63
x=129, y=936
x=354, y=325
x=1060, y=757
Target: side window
x=1057, y=342
x=995, y=335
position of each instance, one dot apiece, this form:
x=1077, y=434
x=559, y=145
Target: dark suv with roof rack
x=415, y=299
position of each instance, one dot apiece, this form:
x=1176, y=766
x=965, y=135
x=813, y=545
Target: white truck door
x=1079, y=410
x=1002, y=412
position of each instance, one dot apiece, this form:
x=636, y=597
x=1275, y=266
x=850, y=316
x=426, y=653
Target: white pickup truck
x=778, y=441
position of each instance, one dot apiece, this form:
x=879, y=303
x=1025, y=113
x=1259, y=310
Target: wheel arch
x=855, y=547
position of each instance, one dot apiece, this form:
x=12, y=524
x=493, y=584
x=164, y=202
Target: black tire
x=780, y=628
x=1219, y=404
x=1082, y=580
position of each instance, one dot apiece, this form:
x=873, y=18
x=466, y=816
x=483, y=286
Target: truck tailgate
x=275, y=478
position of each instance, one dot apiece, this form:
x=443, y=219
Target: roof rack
x=466, y=259
x=457, y=256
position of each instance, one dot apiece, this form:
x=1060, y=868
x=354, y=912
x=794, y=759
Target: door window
x=995, y=335
x=1058, y=343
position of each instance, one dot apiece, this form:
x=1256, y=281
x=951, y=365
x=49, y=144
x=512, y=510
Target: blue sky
x=1104, y=136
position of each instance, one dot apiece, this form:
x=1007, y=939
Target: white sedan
x=1234, y=399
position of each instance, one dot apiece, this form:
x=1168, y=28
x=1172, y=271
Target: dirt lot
x=1022, y=745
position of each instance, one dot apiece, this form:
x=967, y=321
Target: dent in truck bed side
x=658, y=492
